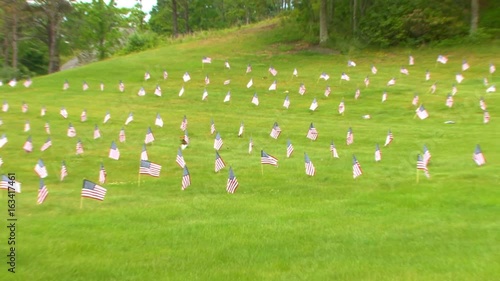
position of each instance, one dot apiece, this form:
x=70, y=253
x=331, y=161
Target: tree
x=323, y=22
x=474, y=16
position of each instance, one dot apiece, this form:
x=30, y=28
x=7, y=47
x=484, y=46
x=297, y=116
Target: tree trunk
x=323, y=23
x=474, y=16
x=354, y=16
x=14, y=41
x=175, y=30
x=53, y=49
x=6, y=48
x=186, y=16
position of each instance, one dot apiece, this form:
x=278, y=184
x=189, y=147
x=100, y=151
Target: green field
x=280, y=224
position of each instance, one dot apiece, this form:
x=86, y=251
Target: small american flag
x=184, y=123
x=3, y=140
x=240, y=131
x=433, y=88
x=411, y=60
x=356, y=168
x=149, y=136
x=204, y=95
x=486, y=117
x=310, y=170
x=289, y=149
x=465, y=65
x=328, y=91
x=121, y=136
x=212, y=127
x=273, y=71
x=255, y=99
x=28, y=145
x=286, y=103
x=186, y=77
x=314, y=105
x=102, y=174
x=302, y=89
x=5, y=106
x=421, y=165
x=404, y=70
x=351, y=63
x=350, y=137
x=391, y=82
x=268, y=159
x=414, y=102
x=427, y=75
x=367, y=81
x=312, y=133
x=378, y=153
x=130, y=118
x=459, y=77
x=107, y=117
x=341, y=107
x=10, y=185
x=333, y=150
x=374, y=69
x=344, y=77
x=13, y=82
x=227, y=82
x=206, y=60
x=27, y=83
x=71, y=131
x=227, y=98
x=157, y=91
x=180, y=159
x=207, y=80
x=142, y=92
x=384, y=96
x=97, y=132
x=43, y=111
x=83, y=116
x=24, y=107
x=478, y=156
x=40, y=169
x=389, y=138
x=158, y=120
x=219, y=163
x=442, y=59
x=149, y=168
x=42, y=192
x=147, y=76
x=93, y=191
x=276, y=131
x=79, y=147
x=186, y=137
x=232, y=182
x=102, y=86
x=64, y=171
x=121, y=86
x=186, y=178
x=324, y=76
x=250, y=146
x=273, y=86
x=449, y=101
x=46, y=145
x=226, y=64
x=27, y=126
x=422, y=112
x=218, y=141
x=357, y=94
x=250, y=83
x=491, y=89
x=144, y=153
x=427, y=155
x=492, y=68
x=114, y=153
x=249, y=68
x=295, y=72
x=85, y=86
x=66, y=85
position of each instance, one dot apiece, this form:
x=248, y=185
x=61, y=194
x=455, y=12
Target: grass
x=280, y=224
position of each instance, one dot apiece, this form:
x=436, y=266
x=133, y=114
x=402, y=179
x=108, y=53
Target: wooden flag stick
x=262, y=168
x=81, y=202
x=417, y=175
x=139, y=180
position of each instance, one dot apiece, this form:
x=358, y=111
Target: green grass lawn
x=280, y=224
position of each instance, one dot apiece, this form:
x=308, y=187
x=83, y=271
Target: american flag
x=206, y=60
x=186, y=137
x=286, y=103
x=421, y=165
x=186, y=77
x=328, y=91
x=374, y=69
x=107, y=117
x=384, y=96
x=97, y=132
x=492, y=68
x=232, y=182
x=66, y=85
x=28, y=145
x=465, y=65
x=341, y=107
x=491, y=89
x=3, y=140
x=367, y=81
x=250, y=146
x=79, y=147
x=1, y=162
x=227, y=82
x=459, y=77
x=212, y=127
x=219, y=163
x=378, y=153
x=324, y=76
x=43, y=111
x=226, y=64
x=478, y=156
x=442, y=59
x=350, y=137
x=47, y=128
x=255, y=99
x=351, y=63
x=411, y=60
x=433, y=88
x=122, y=136
x=27, y=126
x=180, y=159
x=242, y=128
x=486, y=117
x=157, y=91
x=158, y=120
x=40, y=169
x=149, y=136
x=121, y=86
x=449, y=101
x=422, y=112
x=149, y=168
x=46, y=145
x=83, y=116
x=218, y=141
x=427, y=75
x=147, y=76
x=427, y=155
x=389, y=138
x=114, y=153
x=289, y=148
x=207, y=80
x=295, y=72
x=249, y=68
x=64, y=171
x=273, y=71
x=141, y=92
x=268, y=159
x=205, y=95
x=414, y=102
x=8, y=184
x=454, y=90
x=144, y=153
x=344, y=77
x=357, y=94
x=312, y=133
x=24, y=107
x=391, y=82
x=186, y=178
x=333, y=150
x=273, y=86
x=310, y=170
x=276, y=131
x=102, y=86
x=250, y=83
x=93, y=191
x=356, y=168
x=42, y=192
x=71, y=131
x=184, y=123
x=404, y=70
x=102, y=174
x=85, y=86
x=130, y=118
x=227, y=97
x=302, y=89
x=5, y=106
x=27, y=83
x=314, y=105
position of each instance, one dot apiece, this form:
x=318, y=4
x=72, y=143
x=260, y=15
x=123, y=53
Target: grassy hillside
x=280, y=224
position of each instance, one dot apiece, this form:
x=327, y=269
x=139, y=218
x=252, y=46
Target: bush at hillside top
x=140, y=41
